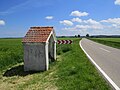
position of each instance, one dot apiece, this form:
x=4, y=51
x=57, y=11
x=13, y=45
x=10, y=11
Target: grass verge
x=75, y=71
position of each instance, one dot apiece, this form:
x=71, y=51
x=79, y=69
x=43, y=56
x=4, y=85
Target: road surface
x=107, y=58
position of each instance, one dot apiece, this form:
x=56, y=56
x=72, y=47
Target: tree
x=78, y=35
x=87, y=35
x=75, y=35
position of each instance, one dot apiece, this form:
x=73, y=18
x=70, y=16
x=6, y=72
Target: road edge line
x=102, y=72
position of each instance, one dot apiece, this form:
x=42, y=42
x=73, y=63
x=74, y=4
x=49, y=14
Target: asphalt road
x=107, y=58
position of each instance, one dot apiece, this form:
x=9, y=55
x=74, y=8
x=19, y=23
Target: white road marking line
x=104, y=74
x=104, y=49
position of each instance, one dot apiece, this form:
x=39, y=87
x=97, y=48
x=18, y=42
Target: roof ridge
x=38, y=27
x=37, y=34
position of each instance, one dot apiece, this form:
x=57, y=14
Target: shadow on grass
x=18, y=71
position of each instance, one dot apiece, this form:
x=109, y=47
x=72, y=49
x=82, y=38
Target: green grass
x=11, y=52
x=71, y=71
x=76, y=72
x=113, y=42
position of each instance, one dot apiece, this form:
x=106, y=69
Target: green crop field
x=113, y=42
x=71, y=71
x=11, y=52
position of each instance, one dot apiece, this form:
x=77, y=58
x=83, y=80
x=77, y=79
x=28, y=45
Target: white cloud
x=110, y=26
x=78, y=13
x=117, y=2
x=91, y=21
x=49, y=17
x=97, y=27
x=93, y=24
x=85, y=27
x=66, y=22
x=114, y=25
x=77, y=20
x=93, y=27
x=2, y=22
x=69, y=28
x=88, y=24
x=74, y=31
x=112, y=21
x=82, y=26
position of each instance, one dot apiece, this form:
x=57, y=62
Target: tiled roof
x=37, y=34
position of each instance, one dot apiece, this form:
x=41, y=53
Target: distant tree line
x=87, y=35
x=77, y=35
x=105, y=36
x=92, y=36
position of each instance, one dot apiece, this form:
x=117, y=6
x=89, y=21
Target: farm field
x=71, y=71
x=113, y=42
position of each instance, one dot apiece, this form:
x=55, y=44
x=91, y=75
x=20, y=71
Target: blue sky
x=69, y=17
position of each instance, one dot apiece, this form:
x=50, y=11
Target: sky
x=68, y=17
